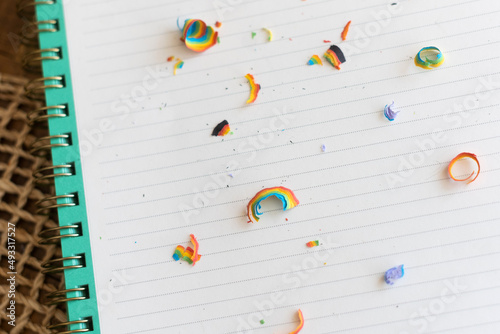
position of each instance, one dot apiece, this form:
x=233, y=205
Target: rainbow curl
x=315, y=60
x=188, y=254
x=286, y=196
x=301, y=325
x=254, y=88
x=198, y=36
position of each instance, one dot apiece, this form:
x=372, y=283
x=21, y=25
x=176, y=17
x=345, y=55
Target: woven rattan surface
x=18, y=195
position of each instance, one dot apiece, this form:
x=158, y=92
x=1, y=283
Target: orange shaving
x=345, y=31
x=461, y=156
x=299, y=328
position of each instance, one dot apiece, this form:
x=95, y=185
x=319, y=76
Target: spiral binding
x=53, y=235
x=69, y=323
x=61, y=296
x=42, y=114
x=36, y=89
x=32, y=61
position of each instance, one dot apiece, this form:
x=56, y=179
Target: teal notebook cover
x=80, y=277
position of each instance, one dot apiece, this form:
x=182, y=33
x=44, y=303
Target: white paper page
x=378, y=197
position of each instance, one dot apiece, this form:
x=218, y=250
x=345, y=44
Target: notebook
x=143, y=171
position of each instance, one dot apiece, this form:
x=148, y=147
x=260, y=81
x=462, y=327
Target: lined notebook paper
x=376, y=197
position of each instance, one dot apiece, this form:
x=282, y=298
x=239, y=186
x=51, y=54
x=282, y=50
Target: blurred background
x=19, y=193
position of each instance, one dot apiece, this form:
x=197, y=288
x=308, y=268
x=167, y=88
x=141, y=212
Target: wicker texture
x=18, y=195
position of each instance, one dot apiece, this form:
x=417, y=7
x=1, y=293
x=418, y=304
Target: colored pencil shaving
x=393, y=274
x=461, y=156
x=301, y=325
x=345, y=31
x=270, y=34
x=187, y=254
x=196, y=257
x=254, y=88
x=334, y=56
x=198, y=36
x=286, y=196
x=221, y=129
x=183, y=254
x=178, y=66
x=389, y=112
x=312, y=244
x=427, y=63
x=315, y=60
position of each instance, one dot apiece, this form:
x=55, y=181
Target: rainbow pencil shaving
x=436, y=60
x=170, y=58
x=269, y=33
x=461, y=156
x=218, y=24
x=196, y=257
x=312, y=244
x=254, y=88
x=345, y=31
x=187, y=254
x=198, y=36
x=301, y=325
x=315, y=60
x=389, y=112
x=178, y=66
x=221, y=129
x=394, y=274
x=286, y=196
x=183, y=254
x=334, y=56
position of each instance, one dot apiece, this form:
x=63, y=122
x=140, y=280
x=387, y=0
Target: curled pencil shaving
x=312, y=244
x=285, y=195
x=461, y=156
x=198, y=36
x=178, y=66
x=429, y=63
x=301, y=325
x=390, y=113
x=187, y=254
x=270, y=34
x=254, y=88
x=315, y=60
x=218, y=24
x=394, y=274
x=221, y=129
x=196, y=246
x=345, y=31
x=334, y=56
x=170, y=58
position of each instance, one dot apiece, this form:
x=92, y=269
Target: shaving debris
x=187, y=254
x=254, y=88
x=178, y=66
x=221, y=129
x=301, y=325
x=389, y=112
x=312, y=244
x=393, y=274
x=345, y=31
x=286, y=196
x=270, y=34
x=436, y=58
x=198, y=36
x=315, y=60
x=461, y=156
x=334, y=56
